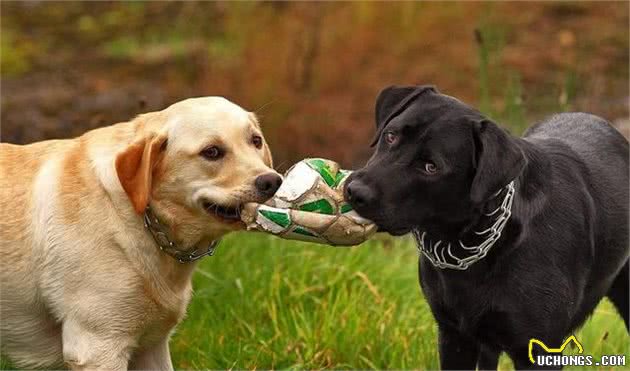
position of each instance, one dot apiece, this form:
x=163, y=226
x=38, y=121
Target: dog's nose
x=359, y=194
x=268, y=184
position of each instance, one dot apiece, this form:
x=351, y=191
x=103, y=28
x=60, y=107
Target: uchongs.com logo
x=554, y=357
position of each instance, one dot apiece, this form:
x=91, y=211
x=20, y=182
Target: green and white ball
x=309, y=206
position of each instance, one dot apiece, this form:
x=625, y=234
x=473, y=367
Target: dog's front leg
x=488, y=358
x=457, y=352
x=157, y=357
x=86, y=349
x=520, y=357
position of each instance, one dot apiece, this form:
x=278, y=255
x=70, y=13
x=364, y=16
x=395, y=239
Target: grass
x=501, y=92
x=490, y=40
x=266, y=303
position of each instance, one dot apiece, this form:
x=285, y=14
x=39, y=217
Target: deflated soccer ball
x=309, y=206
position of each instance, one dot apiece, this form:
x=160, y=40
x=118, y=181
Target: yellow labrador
x=84, y=281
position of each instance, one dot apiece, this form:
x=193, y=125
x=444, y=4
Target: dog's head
x=196, y=163
x=436, y=161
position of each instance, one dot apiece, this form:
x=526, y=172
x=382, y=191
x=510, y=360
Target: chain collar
x=160, y=236
x=435, y=251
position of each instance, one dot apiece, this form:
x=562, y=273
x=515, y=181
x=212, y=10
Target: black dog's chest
x=472, y=307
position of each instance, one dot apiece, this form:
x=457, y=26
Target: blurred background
x=312, y=72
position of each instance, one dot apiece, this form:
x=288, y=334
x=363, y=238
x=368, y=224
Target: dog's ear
x=388, y=99
x=498, y=159
x=135, y=166
x=393, y=100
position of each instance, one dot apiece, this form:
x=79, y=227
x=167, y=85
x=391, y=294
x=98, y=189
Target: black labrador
x=520, y=237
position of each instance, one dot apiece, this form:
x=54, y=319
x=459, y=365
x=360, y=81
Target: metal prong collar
x=439, y=253
x=165, y=243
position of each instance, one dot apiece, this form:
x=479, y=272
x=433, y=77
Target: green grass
x=490, y=39
x=501, y=92
x=266, y=303
x=262, y=302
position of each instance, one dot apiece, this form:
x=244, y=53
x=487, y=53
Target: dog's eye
x=390, y=138
x=257, y=141
x=212, y=153
x=430, y=168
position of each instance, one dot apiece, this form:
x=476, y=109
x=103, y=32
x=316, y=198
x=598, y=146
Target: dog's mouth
x=227, y=213
x=394, y=230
